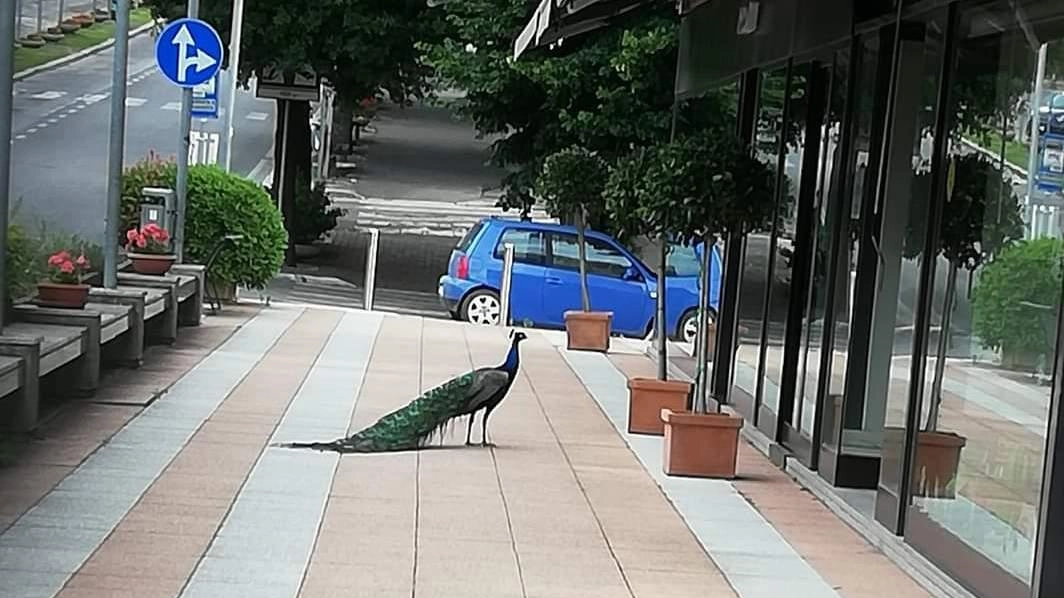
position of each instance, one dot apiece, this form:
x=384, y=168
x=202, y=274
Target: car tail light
x=461, y=269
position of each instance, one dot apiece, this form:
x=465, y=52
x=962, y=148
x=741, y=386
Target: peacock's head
x=518, y=336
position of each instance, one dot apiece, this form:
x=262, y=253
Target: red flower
x=82, y=261
x=58, y=258
x=67, y=267
x=131, y=235
x=141, y=241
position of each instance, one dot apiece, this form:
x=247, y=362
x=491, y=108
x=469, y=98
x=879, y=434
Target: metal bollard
x=371, y=269
x=507, y=275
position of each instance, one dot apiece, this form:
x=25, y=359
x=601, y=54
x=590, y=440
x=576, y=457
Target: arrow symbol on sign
x=200, y=61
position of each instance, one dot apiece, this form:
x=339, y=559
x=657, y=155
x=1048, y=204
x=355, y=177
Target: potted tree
x=572, y=183
x=711, y=185
x=64, y=287
x=981, y=216
x=632, y=181
x=148, y=248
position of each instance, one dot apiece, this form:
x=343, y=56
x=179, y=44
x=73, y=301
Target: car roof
x=497, y=221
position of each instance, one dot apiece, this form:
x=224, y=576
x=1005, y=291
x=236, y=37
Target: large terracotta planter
x=151, y=263
x=701, y=445
x=647, y=397
x=588, y=330
x=938, y=455
x=67, y=296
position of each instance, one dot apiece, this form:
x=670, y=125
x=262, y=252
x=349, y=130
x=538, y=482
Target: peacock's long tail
x=407, y=428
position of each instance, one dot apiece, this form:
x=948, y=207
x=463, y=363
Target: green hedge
x=219, y=203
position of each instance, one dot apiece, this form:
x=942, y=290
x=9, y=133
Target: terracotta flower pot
x=69, y=296
x=647, y=397
x=938, y=456
x=701, y=445
x=588, y=331
x=152, y=263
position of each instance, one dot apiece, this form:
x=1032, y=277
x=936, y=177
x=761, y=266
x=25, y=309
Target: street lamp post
x=7, y=83
x=117, y=144
x=1032, y=154
x=235, y=35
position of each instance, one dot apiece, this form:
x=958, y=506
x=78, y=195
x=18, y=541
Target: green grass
x=72, y=43
x=1015, y=153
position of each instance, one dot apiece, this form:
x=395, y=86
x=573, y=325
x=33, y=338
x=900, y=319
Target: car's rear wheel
x=482, y=307
x=687, y=331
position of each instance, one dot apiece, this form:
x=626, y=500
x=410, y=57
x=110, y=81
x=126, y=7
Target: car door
x=608, y=270
x=526, y=280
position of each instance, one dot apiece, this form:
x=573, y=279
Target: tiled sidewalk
x=187, y=500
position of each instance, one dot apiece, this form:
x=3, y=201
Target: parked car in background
x=545, y=281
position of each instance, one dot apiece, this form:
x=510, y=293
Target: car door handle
x=553, y=280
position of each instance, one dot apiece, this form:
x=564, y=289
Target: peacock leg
x=484, y=429
x=469, y=429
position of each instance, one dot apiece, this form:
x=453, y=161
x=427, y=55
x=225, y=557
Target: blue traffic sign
x=189, y=52
x=205, y=99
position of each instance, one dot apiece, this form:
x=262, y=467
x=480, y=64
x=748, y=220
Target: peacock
x=412, y=426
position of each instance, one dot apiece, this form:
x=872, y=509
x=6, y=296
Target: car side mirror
x=631, y=274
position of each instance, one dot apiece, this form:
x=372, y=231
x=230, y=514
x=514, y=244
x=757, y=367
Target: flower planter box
x=588, y=331
x=938, y=456
x=151, y=263
x=701, y=445
x=647, y=397
x=67, y=296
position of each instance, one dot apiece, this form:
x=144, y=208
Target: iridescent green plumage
x=410, y=427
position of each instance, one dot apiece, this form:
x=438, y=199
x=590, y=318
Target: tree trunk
x=662, y=323
x=343, y=116
x=295, y=167
x=581, y=248
x=702, y=379
x=943, y=348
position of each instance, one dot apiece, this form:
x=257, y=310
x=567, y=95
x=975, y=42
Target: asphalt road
x=61, y=129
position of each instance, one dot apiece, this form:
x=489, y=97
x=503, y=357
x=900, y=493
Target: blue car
x=546, y=279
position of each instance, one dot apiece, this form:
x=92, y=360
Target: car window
x=1058, y=102
x=682, y=261
x=463, y=245
x=602, y=258
x=530, y=246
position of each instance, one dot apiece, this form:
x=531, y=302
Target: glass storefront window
x=754, y=289
x=828, y=203
x=977, y=476
x=782, y=250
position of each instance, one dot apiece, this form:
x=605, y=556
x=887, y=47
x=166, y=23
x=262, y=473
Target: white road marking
x=48, y=95
x=257, y=116
x=20, y=137
x=92, y=98
x=134, y=102
x=42, y=125
x=175, y=106
x=31, y=131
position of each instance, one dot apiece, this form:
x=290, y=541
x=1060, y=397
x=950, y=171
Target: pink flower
x=162, y=236
x=141, y=241
x=82, y=261
x=131, y=235
x=58, y=258
x=67, y=267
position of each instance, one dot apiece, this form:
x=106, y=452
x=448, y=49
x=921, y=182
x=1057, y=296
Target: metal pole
x=371, y=269
x=507, y=276
x=18, y=20
x=185, y=132
x=7, y=78
x=662, y=336
x=117, y=145
x=279, y=192
x=326, y=140
x=1032, y=158
x=40, y=16
x=59, y=17
x=235, y=35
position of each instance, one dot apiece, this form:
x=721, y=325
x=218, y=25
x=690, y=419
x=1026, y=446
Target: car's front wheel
x=482, y=307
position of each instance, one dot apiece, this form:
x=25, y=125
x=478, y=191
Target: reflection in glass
x=985, y=402
x=906, y=198
x=782, y=248
x=754, y=289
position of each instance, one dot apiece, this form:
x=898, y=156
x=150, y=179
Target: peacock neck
x=513, y=359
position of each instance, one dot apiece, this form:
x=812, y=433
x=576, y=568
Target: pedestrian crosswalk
x=420, y=217
x=324, y=290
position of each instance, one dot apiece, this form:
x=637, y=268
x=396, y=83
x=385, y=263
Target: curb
x=34, y=70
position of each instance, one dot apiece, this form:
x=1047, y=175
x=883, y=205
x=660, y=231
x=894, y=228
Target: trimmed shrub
x=219, y=204
x=313, y=214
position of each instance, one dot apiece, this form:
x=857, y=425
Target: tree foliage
x=609, y=91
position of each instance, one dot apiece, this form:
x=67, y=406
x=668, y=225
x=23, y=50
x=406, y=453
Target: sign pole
x=7, y=80
x=185, y=132
x=235, y=35
x=1032, y=160
x=117, y=149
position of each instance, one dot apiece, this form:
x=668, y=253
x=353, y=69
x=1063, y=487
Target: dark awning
x=555, y=20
